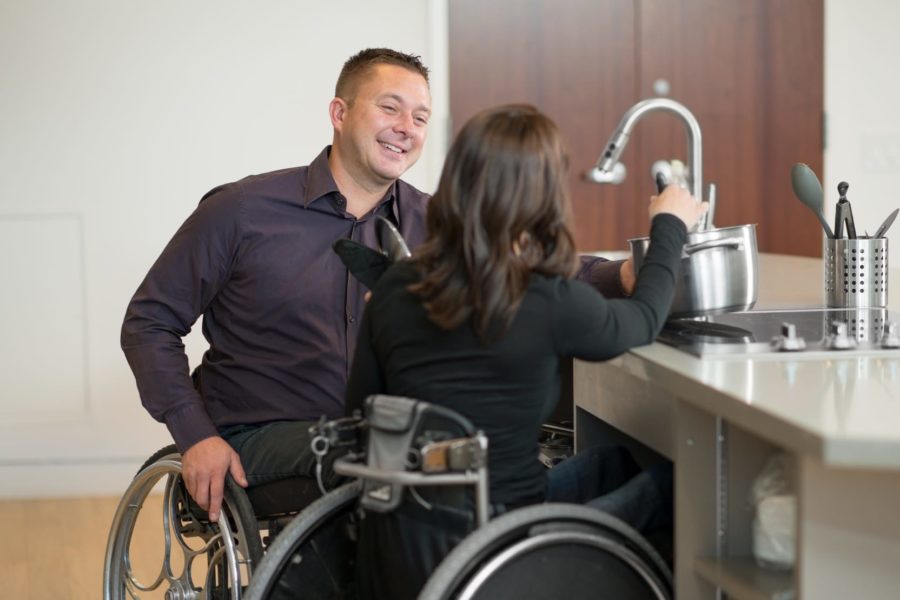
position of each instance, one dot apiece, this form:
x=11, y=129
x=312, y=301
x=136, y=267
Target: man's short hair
x=361, y=64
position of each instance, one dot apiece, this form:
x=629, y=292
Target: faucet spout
x=613, y=150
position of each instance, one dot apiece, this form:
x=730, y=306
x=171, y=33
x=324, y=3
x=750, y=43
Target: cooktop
x=800, y=331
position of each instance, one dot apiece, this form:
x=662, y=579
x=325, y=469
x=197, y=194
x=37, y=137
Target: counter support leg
x=695, y=498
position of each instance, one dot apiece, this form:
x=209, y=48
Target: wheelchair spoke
x=132, y=584
x=130, y=588
x=168, y=510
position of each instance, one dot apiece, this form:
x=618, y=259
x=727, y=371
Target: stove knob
x=839, y=338
x=788, y=340
x=891, y=337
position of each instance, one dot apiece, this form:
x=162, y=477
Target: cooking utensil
x=808, y=189
x=843, y=218
x=707, y=221
x=887, y=223
x=719, y=271
x=390, y=240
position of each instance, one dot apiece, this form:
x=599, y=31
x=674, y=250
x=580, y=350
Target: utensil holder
x=856, y=272
x=866, y=325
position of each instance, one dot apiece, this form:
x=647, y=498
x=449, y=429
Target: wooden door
x=556, y=56
x=750, y=71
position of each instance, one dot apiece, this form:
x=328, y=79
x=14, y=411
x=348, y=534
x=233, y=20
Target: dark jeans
x=608, y=479
x=398, y=551
x=271, y=451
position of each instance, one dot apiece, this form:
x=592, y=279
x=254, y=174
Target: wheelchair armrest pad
x=366, y=264
x=393, y=414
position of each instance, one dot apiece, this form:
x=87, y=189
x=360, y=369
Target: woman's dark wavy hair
x=501, y=212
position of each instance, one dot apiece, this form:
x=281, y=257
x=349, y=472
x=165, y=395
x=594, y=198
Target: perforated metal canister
x=856, y=272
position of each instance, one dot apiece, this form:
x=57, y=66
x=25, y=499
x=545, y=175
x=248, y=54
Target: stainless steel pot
x=719, y=271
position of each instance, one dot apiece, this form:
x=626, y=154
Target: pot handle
x=735, y=242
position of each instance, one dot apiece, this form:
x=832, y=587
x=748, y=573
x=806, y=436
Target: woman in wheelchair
x=478, y=320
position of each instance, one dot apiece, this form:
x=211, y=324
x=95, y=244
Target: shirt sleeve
x=601, y=274
x=182, y=282
x=591, y=327
x=366, y=377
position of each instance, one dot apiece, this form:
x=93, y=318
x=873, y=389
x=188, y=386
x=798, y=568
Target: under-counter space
x=720, y=420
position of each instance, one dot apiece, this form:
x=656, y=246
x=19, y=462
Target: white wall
x=115, y=117
x=862, y=103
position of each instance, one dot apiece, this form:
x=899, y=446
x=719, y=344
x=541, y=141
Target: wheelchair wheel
x=552, y=551
x=228, y=550
x=314, y=556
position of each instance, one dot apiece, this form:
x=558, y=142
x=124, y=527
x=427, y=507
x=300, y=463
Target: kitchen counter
x=720, y=419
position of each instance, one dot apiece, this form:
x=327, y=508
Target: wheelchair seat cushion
x=282, y=496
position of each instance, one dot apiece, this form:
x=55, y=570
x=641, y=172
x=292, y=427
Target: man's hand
x=203, y=468
x=627, y=277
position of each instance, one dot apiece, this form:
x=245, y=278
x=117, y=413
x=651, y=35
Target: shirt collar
x=320, y=183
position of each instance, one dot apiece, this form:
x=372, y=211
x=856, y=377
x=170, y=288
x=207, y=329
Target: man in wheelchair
x=279, y=311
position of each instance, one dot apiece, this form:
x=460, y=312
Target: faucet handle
x=669, y=172
x=661, y=172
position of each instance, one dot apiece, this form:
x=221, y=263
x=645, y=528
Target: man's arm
x=184, y=280
x=612, y=278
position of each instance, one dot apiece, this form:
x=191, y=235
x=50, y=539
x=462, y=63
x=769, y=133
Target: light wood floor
x=54, y=549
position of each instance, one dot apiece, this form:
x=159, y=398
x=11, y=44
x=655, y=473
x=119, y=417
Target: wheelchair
x=541, y=551
x=197, y=559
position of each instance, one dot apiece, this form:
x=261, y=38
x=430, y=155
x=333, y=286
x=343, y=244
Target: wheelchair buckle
x=461, y=454
x=434, y=457
x=381, y=493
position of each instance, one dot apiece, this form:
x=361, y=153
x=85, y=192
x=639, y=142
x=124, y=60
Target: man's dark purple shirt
x=280, y=311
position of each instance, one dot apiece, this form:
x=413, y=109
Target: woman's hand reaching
x=677, y=201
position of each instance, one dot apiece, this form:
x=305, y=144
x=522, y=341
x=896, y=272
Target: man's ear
x=337, y=110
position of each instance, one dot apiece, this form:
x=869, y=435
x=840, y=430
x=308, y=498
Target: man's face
x=380, y=132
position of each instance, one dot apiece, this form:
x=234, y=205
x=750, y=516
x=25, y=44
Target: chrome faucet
x=610, y=170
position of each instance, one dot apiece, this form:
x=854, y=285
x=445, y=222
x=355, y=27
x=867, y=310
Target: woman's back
x=508, y=386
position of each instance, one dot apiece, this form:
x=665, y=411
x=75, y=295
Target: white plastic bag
x=775, y=505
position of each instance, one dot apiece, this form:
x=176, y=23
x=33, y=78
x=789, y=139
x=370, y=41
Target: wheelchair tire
x=230, y=546
x=314, y=556
x=551, y=551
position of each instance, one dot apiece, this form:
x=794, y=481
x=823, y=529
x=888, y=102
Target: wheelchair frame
x=490, y=548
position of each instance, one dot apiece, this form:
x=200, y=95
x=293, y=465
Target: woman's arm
x=587, y=325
